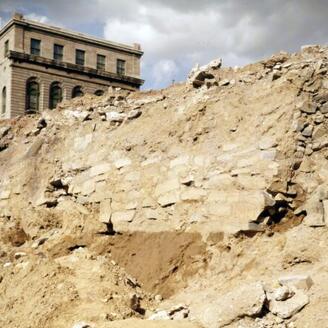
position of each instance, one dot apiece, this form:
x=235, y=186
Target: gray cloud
x=175, y=34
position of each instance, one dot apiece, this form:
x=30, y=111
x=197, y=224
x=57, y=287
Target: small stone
x=160, y=315
x=224, y=82
x=81, y=324
x=211, y=82
x=135, y=302
x=303, y=282
x=306, y=106
x=169, y=198
x=81, y=116
x=307, y=132
x=158, y=298
x=193, y=194
x=4, y=131
x=324, y=108
x=151, y=214
x=308, y=151
x=19, y=255
x=42, y=123
x=318, y=119
x=282, y=293
x=267, y=143
x=115, y=117
x=215, y=63
x=105, y=211
x=123, y=216
x=179, y=312
x=122, y=162
x=276, y=75
x=134, y=113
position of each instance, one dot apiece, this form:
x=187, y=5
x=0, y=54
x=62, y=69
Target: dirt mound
x=161, y=262
x=212, y=194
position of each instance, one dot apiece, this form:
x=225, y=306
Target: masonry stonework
x=18, y=65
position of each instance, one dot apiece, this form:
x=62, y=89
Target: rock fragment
x=288, y=307
x=115, y=117
x=245, y=301
x=303, y=282
x=306, y=106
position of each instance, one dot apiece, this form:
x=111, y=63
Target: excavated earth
x=201, y=205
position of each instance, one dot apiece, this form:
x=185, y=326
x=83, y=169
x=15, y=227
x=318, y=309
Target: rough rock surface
x=121, y=206
x=246, y=301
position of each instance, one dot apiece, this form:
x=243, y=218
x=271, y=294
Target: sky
x=177, y=34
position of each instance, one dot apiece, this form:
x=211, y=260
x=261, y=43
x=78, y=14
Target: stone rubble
x=234, y=157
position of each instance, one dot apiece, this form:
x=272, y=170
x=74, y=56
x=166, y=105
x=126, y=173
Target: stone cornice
x=70, y=35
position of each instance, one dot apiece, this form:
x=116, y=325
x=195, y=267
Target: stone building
x=40, y=65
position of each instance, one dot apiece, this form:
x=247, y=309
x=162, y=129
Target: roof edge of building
x=20, y=20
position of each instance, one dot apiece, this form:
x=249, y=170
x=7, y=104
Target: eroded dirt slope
x=203, y=204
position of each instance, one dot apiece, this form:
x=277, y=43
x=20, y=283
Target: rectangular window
x=6, y=48
x=58, y=52
x=35, y=47
x=101, y=62
x=79, y=57
x=120, y=68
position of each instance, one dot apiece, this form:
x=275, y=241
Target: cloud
x=177, y=34
x=38, y=18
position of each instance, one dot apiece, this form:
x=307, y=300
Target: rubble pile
x=200, y=205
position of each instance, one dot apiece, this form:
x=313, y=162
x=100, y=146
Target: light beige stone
x=105, y=211
x=123, y=216
x=191, y=194
x=247, y=300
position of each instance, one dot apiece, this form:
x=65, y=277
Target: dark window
x=35, y=47
x=58, y=52
x=101, y=62
x=120, y=68
x=99, y=92
x=4, y=100
x=77, y=92
x=6, y=48
x=55, y=95
x=32, y=96
x=79, y=57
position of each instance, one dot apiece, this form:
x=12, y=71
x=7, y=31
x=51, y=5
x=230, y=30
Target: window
x=99, y=92
x=101, y=62
x=4, y=100
x=55, y=95
x=79, y=57
x=77, y=92
x=35, y=47
x=32, y=96
x=58, y=52
x=6, y=48
x=120, y=69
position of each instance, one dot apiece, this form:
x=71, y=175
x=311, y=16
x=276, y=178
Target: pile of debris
x=164, y=205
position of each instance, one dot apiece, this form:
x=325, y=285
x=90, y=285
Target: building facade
x=41, y=65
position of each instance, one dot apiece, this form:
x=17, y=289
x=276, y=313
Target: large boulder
x=245, y=301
